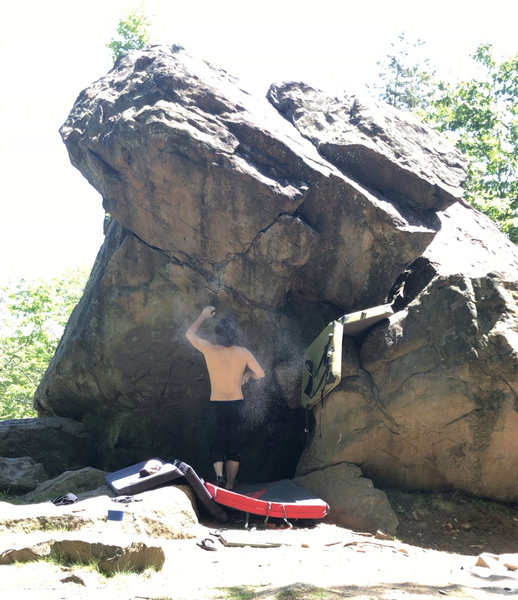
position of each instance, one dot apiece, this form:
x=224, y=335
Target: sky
x=51, y=218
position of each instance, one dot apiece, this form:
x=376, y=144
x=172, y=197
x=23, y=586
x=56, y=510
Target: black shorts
x=225, y=429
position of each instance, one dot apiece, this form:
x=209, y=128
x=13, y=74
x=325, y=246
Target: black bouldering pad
x=129, y=480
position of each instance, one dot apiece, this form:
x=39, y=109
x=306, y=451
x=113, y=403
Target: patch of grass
x=6, y=496
x=306, y=594
x=240, y=592
x=90, y=565
x=63, y=561
x=292, y=592
x=99, y=565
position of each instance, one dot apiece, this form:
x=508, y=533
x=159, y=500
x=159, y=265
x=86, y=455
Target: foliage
x=481, y=117
x=405, y=79
x=32, y=318
x=132, y=34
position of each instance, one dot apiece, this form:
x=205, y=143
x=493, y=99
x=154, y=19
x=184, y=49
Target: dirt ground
x=455, y=522
x=435, y=554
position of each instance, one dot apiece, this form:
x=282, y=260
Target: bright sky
x=50, y=217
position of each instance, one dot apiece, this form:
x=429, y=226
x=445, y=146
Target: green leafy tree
x=32, y=318
x=480, y=116
x=406, y=78
x=132, y=34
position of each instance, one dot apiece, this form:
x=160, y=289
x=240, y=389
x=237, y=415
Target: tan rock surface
x=287, y=212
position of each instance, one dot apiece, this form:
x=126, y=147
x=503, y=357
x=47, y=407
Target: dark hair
x=225, y=332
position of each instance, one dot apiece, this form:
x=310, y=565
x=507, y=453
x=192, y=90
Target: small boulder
x=20, y=475
x=82, y=480
x=58, y=443
x=353, y=501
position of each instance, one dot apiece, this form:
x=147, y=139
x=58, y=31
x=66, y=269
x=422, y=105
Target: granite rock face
x=286, y=212
x=429, y=400
x=365, y=140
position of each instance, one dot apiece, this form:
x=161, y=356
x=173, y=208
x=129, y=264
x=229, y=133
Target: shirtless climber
x=230, y=367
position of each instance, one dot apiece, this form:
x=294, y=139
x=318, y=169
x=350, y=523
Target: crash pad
x=129, y=481
x=359, y=321
x=322, y=368
x=203, y=495
x=280, y=499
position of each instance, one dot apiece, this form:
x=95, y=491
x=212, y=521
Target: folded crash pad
x=357, y=322
x=322, y=368
x=202, y=493
x=130, y=480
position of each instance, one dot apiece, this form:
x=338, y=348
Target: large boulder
x=286, y=213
